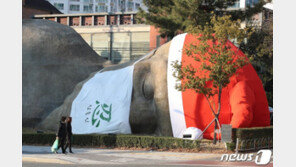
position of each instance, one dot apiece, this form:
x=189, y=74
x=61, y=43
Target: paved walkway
x=41, y=156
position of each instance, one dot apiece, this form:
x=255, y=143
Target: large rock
x=149, y=107
x=55, y=59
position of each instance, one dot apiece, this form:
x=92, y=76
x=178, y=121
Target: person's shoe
x=56, y=152
x=71, y=152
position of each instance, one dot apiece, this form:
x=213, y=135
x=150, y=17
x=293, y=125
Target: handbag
x=54, y=147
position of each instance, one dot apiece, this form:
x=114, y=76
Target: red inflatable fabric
x=243, y=101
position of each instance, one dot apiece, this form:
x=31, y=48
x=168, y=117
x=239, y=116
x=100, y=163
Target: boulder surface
x=54, y=59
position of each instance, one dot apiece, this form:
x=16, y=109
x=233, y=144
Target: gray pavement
x=41, y=156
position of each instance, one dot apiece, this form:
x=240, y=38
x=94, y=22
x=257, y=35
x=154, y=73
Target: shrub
x=140, y=141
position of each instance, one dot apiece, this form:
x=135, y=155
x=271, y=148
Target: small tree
x=218, y=61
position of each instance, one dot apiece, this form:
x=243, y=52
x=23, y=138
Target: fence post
x=92, y=20
x=68, y=21
x=131, y=49
x=105, y=20
x=80, y=21
x=111, y=44
x=236, y=146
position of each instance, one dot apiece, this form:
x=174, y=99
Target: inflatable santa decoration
x=243, y=100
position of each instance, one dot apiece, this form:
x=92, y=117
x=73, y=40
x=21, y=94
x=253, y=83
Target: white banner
x=103, y=104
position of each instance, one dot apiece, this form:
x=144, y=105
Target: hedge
x=140, y=141
x=256, y=132
x=101, y=140
x=251, y=135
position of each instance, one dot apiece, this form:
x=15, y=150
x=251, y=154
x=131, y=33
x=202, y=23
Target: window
x=251, y=3
x=137, y=6
x=112, y=9
x=113, y=6
x=102, y=8
x=74, y=7
x=236, y=4
x=130, y=6
x=157, y=41
x=59, y=6
x=88, y=1
x=88, y=8
x=101, y=1
x=122, y=5
x=267, y=15
x=74, y=0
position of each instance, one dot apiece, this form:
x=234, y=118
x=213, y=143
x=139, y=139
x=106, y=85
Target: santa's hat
x=243, y=100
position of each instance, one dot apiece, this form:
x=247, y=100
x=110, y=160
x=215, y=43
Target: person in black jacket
x=69, y=134
x=61, y=135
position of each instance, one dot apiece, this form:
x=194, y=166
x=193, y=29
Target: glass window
x=236, y=4
x=59, y=6
x=122, y=5
x=137, y=6
x=87, y=8
x=101, y=1
x=74, y=7
x=88, y=1
x=112, y=9
x=130, y=6
x=102, y=8
x=74, y=0
x=157, y=41
x=251, y=3
x=113, y=6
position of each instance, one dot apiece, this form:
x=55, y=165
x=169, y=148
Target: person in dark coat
x=69, y=134
x=61, y=134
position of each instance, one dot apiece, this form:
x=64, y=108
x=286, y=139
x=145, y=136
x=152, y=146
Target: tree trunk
x=215, y=134
x=217, y=115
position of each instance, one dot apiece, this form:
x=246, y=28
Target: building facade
x=242, y=4
x=116, y=37
x=256, y=20
x=96, y=6
x=33, y=7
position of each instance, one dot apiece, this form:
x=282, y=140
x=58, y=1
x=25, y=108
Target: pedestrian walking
x=61, y=134
x=69, y=134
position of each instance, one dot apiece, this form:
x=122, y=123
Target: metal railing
x=129, y=51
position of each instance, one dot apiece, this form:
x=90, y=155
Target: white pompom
x=192, y=133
